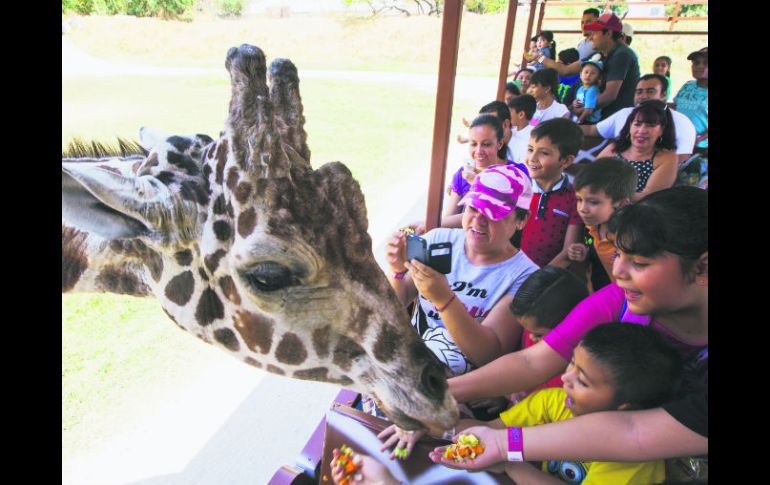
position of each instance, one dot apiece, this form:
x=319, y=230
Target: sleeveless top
x=643, y=169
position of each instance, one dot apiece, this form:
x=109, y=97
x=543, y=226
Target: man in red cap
x=621, y=66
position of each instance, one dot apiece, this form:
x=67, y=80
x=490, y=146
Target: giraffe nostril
x=433, y=381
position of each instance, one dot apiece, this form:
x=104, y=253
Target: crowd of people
x=573, y=322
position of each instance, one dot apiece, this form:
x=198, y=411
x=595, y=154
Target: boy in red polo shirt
x=554, y=223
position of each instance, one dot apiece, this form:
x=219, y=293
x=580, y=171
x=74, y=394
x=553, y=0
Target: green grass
x=114, y=350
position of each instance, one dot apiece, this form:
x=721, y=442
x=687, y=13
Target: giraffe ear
x=113, y=205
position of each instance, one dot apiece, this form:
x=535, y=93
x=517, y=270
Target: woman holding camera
x=463, y=316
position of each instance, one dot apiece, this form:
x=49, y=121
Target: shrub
x=485, y=6
x=230, y=8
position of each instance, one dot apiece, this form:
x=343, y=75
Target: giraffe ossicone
x=250, y=249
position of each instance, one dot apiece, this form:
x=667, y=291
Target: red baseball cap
x=608, y=21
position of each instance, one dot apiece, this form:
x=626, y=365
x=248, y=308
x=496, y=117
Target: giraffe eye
x=269, y=276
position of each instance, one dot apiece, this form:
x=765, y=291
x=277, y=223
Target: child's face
x=587, y=384
x=655, y=285
x=589, y=75
x=533, y=44
x=660, y=67
x=699, y=65
x=544, y=160
x=594, y=207
x=542, y=43
x=538, y=91
x=524, y=76
x=529, y=323
x=509, y=95
x=483, y=145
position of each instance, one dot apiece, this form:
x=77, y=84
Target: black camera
x=438, y=255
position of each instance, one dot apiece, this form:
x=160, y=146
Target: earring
x=659, y=141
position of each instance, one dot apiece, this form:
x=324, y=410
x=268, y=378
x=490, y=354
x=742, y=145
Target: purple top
x=460, y=186
x=604, y=306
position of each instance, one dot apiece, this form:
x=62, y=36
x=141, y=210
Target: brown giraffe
x=250, y=249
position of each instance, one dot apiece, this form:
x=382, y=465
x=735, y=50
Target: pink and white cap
x=498, y=190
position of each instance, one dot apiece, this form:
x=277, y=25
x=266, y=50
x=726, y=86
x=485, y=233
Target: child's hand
x=495, y=450
x=577, y=252
x=405, y=440
x=371, y=471
x=395, y=251
x=470, y=172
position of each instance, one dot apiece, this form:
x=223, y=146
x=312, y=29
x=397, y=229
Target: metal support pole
x=447, y=69
x=507, y=41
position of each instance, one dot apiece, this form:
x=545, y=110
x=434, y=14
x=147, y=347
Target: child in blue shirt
x=584, y=109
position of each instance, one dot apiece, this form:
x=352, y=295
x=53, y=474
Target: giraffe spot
x=222, y=230
x=220, y=207
x=360, y=320
x=230, y=291
x=179, y=142
x=232, y=178
x=185, y=162
x=209, y=307
x=229, y=209
x=314, y=374
x=345, y=352
x=291, y=350
x=115, y=279
x=275, y=370
x=207, y=170
x=221, y=155
x=193, y=192
x=73, y=258
x=253, y=362
x=180, y=288
x=321, y=337
x=154, y=263
x=227, y=337
x=212, y=260
x=202, y=273
x=247, y=221
x=256, y=330
x=166, y=177
x=242, y=192
x=386, y=344
x=183, y=258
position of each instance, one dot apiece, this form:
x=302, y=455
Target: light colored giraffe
x=250, y=249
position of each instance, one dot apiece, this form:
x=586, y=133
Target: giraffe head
x=252, y=250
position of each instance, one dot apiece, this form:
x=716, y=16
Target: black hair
x=661, y=79
x=643, y=368
x=547, y=77
x=568, y=56
x=673, y=220
x=525, y=103
x=563, y=132
x=668, y=60
x=548, y=295
x=500, y=109
x=613, y=176
x=512, y=88
x=496, y=124
x=592, y=11
x=653, y=111
x=548, y=35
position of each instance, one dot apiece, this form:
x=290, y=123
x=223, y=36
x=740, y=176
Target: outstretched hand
x=495, y=450
x=405, y=440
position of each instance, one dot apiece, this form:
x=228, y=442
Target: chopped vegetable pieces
x=467, y=447
x=350, y=464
